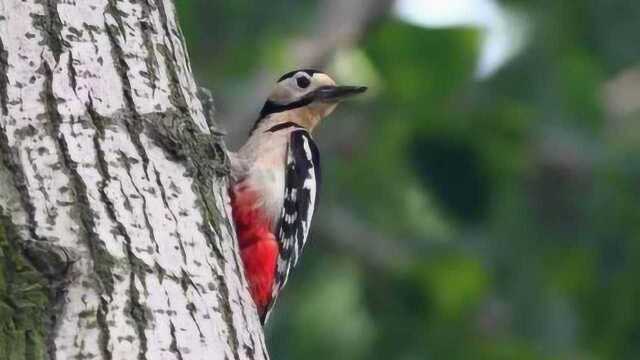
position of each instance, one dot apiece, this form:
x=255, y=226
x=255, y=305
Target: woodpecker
x=276, y=180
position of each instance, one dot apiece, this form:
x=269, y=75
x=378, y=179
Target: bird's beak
x=336, y=93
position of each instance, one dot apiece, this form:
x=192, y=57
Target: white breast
x=264, y=155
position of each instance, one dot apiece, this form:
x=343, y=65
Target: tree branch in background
x=359, y=239
x=340, y=25
x=621, y=97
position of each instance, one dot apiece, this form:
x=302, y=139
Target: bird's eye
x=303, y=82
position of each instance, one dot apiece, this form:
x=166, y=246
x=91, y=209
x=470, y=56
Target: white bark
x=107, y=155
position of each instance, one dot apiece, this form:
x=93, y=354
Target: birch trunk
x=115, y=238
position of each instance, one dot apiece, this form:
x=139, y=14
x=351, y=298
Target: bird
x=276, y=180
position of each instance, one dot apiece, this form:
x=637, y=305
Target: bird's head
x=305, y=97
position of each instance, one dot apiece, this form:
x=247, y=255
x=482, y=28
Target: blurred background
x=482, y=201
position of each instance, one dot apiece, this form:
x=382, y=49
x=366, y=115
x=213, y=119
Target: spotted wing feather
x=302, y=182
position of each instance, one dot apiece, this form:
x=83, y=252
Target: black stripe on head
x=279, y=127
x=271, y=107
x=309, y=72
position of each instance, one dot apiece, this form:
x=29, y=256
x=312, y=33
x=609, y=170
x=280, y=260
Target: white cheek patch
x=283, y=93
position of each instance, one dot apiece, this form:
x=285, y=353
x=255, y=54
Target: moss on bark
x=23, y=302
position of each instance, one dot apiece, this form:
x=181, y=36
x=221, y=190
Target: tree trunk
x=115, y=239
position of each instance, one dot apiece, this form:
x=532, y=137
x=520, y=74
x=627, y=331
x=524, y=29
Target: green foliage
x=319, y=306
x=516, y=197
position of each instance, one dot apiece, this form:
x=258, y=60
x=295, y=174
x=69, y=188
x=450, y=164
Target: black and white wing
x=302, y=183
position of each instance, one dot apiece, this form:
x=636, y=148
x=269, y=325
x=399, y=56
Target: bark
x=115, y=238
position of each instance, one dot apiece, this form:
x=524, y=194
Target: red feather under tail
x=258, y=246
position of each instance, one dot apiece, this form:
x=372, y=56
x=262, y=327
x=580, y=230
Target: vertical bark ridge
x=174, y=342
x=191, y=308
x=177, y=97
x=145, y=210
x=164, y=20
x=105, y=335
x=183, y=45
x=169, y=54
x=177, y=63
x=208, y=228
x=71, y=71
x=122, y=68
x=232, y=340
x=11, y=161
x=138, y=313
x=50, y=26
x=111, y=8
x=249, y=350
x=103, y=168
x=163, y=195
x=102, y=261
x=140, y=324
x=4, y=80
x=48, y=206
x=146, y=29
